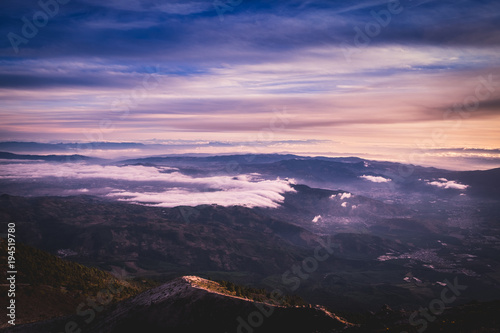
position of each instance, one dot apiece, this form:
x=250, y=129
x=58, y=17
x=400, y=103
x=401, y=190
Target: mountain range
x=370, y=241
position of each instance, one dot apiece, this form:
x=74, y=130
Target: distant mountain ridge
x=49, y=158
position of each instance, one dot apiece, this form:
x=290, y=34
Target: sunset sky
x=416, y=81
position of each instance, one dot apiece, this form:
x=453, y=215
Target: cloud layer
x=158, y=186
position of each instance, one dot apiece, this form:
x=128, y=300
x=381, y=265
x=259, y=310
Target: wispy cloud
x=317, y=219
x=447, y=184
x=341, y=196
x=376, y=179
x=222, y=80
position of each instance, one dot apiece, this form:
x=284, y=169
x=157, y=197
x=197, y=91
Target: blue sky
x=382, y=79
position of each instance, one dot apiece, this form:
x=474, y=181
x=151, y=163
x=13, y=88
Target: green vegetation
x=48, y=286
x=38, y=268
x=261, y=295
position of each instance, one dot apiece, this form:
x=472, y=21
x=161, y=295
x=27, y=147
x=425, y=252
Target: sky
x=415, y=81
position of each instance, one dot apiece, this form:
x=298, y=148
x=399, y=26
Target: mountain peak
x=191, y=304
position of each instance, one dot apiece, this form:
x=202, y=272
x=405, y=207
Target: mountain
x=328, y=211
x=392, y=238
x=483, y=183
x=180, y=160
x=49, y=158
x=396, y=181
x=352, y=235
x=48, y=286
x=150, y=240
x=262, y=248
x=193, y=304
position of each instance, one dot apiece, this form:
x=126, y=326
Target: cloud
x=221, y=80
x=185, y=8
x=263, y=197
x=341, y=196
x=375, y=179
x=316, y=219
x=147, y=7
x=159, y=186
x=87, y=171
x=447, y=184
x=345, y=195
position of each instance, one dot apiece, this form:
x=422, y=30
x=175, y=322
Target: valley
x=355, y=245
